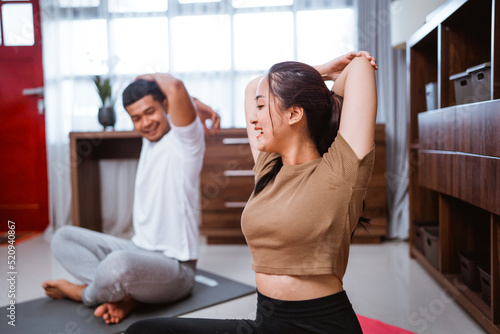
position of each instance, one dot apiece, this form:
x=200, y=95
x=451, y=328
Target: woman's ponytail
x=264, y=180
x=325, y=138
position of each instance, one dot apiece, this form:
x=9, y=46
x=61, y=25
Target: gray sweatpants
x=113, y=268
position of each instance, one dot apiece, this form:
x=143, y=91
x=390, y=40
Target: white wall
x=407, y=16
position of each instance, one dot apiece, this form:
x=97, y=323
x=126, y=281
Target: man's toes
x=100, y=310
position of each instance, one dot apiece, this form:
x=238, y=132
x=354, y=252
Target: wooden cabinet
x=227, y=181
x=86, y=149
x=454, y=156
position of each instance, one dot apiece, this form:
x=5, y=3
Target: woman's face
x=268, y=130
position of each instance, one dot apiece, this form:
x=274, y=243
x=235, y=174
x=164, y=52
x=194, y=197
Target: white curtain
x=374, y=35
x=71, y=105
x=215, y=47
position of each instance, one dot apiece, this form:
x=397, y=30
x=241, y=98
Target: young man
x=158, y=264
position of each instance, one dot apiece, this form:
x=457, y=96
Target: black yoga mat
x=63, y=316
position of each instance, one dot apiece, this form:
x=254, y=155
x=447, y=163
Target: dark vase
x=106, y=117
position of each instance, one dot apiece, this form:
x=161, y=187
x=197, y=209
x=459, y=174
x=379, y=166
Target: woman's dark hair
x=140, y=88
x=294, y=84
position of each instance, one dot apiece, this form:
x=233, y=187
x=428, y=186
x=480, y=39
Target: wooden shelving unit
x=454, y=150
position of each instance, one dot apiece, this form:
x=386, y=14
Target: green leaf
x=103, y=87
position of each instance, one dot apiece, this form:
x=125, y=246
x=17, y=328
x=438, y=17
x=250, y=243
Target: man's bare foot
x=63, y=289
x=113, y=313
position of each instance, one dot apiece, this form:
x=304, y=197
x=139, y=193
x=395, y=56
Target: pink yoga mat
x=373, y=326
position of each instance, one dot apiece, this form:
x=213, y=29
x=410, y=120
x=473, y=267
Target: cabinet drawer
x=228, y=218
x=471, y=128
x=476, y=181
x=228, y=150
x=462, y=176
x=478, y=128
x=227, y=181
x=436, y=129
x=436, y=171
x=217, y=193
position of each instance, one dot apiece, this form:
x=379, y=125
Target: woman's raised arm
x=354, y=77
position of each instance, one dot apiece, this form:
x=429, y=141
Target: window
x=78, y=3
x=197, y=1
x=268, y=41
x=322, y=34
x=201, y=43
x=17, y=24
x=85, y=50
x=137, y=6
x=260, y=3
x=215, y=46
x=139, y=45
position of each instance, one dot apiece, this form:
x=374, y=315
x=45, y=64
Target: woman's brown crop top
x=301, y=223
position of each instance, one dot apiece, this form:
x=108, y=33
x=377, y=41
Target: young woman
x=314, y=153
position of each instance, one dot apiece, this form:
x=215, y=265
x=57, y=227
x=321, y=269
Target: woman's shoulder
x=344, y=162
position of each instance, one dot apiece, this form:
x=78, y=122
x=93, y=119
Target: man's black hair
x=140, y=88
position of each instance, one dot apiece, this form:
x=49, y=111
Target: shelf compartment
x=424, y=55
x=471, y=297
x=465, y=42
x=470, y=300
x=424, y=203
x=464, y=229
x=495, y=41
x=495, y=267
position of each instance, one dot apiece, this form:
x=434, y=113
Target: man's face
x=149, y=117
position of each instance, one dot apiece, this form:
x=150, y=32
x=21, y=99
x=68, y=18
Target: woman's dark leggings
x=331, y=314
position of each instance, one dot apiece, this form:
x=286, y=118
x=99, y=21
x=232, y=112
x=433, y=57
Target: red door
x=23, y=162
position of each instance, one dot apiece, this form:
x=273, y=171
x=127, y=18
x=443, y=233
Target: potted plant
x=106, y=115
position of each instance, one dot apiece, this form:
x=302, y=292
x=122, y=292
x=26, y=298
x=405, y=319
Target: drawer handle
x=235, y=204
x=248, y=172
x=235, y=141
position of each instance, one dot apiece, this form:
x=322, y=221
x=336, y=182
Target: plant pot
x=106, y=117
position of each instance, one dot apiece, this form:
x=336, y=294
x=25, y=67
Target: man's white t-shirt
x=166, y=212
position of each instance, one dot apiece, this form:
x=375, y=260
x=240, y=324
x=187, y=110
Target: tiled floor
x=382, y=282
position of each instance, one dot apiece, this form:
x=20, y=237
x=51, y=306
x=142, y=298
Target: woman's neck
x=299, y=152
